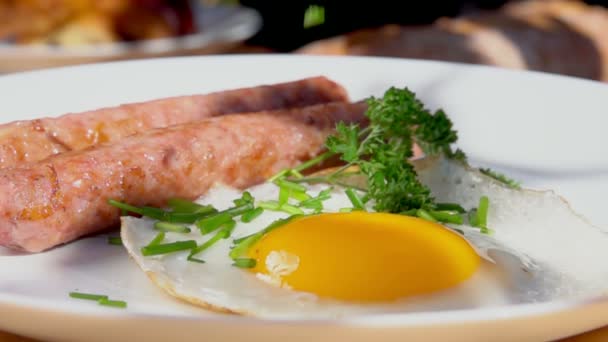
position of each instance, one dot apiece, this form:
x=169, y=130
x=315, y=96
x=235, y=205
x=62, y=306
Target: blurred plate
x=220, y=28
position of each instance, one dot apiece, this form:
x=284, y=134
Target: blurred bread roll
x=556, y=36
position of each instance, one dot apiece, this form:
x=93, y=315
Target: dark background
x=283, y=19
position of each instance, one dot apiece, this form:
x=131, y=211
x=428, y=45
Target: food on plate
x=377, y=234
x=82, y=22
x=33, y=140
x=61, y=198
x=545, y=35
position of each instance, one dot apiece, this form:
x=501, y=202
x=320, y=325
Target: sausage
x=33, y=140
x=53, y=201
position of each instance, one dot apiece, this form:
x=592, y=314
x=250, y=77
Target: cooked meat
x=46, y=203
x=29, y=141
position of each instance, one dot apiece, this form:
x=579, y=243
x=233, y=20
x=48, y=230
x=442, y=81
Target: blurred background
x=559, y=36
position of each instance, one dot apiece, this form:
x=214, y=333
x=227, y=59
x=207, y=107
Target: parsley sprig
x=380, y=151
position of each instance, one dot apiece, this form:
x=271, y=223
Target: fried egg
x=336, y=264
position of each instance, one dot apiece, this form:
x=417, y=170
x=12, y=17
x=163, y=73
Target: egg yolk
x=364, y=257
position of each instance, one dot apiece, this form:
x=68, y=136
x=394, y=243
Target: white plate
x=546, y=130
x=219, y=29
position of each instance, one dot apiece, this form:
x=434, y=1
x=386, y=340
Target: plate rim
x=370, y=320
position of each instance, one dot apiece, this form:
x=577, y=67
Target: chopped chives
x=112, y=303
x=284, y=184
x=245, y=199
x=291, y=209
x=447, y=216
x=212, y=223
x=244, y=262
x=296, y=173
x=241, y=245
x=179, y=205
x=227, y=229
x=168, y=216
x=411, y=212
x=317, y=202
x=252, y=214
x=314, y=161
x=238, y=210
x=157, y=239
x=314, y=204
x=191, y=258
x=115, y=240
x=168, y=247
x=87, y=296
x=299, y=196
x=450, y=206
x=171, y=227
x=187, y=217
x=217, y=237
x=473, y=217
x=279, y=175
x=345, y=210
x=152, y=212
x=355, y=199
x=125, y=207
x=224, y=233
x=275, y=206
x=284, y=195
x=269, y=205
x=423, y=214
x=482, y=212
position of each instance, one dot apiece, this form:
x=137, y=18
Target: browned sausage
x=56, y=200
x=28, y=141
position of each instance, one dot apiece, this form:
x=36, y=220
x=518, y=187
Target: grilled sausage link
x=59, y=199
x=33, y=140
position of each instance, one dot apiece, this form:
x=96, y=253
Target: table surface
x=600, y=335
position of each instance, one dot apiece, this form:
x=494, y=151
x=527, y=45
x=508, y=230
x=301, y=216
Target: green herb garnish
x=158, y=239
x=355, y=199
x=194, y=259
x=87, y=296
x=314, y=16
x=449, y=207
x=447, y=216
x=276, y=206
x=209, y=224
x=252, y=214
x=241, y=245
x=167, y=248
x=114, y=240
x=171, y=227
x=162, y=215
x=423, y=214
x=224, y=233
x=513, y=184
x=100, y=299
x=380, y=152
x=244, y=262
x=284, y=184
x=482, y=214
x=112, y=303
x=283, y=195
x=179, y=205
x=316, y=202
x=245, y=199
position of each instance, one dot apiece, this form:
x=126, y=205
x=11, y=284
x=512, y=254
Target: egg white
x=540, y=250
